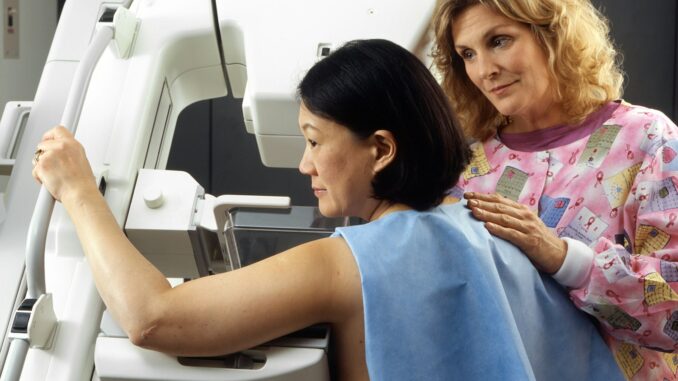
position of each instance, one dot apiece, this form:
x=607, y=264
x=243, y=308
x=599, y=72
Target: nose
x=305, y=165
x=487, y=68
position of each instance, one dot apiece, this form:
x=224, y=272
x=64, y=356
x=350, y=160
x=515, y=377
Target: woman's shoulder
x=628, y=114
x=323, y=254
x=404, y=222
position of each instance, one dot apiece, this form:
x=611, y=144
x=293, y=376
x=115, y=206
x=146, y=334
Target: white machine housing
x=292, y=44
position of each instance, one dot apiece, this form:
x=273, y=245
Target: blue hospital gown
x=444, y=300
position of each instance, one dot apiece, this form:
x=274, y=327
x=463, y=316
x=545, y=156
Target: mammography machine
x=118, y=74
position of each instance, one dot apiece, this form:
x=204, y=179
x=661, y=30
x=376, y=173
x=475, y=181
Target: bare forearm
x=129, y=285
x=211, y=315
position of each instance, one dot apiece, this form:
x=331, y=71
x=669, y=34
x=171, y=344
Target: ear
x=385, y=149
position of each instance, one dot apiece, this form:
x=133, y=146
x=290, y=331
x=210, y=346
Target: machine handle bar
x=39, y=225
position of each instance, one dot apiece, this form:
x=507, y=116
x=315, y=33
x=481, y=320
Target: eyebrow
x=485, y=35
x=308, y=125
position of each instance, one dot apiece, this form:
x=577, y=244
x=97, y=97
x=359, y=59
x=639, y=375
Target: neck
x=552, y=115
x=383, y=208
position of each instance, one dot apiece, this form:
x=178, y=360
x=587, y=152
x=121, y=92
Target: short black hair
x=370, y=85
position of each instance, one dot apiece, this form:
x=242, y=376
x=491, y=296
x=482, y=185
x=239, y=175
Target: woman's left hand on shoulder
x=517, y=224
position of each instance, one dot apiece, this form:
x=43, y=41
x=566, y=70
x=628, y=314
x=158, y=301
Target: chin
x=505, y=110
x=330, y=212
x=505, y=106
x=327, y=212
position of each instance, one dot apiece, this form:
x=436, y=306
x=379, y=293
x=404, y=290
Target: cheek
x=472, y=74
x=537, y=64
x=348, y=168
x=541, y=80
x=331, y=170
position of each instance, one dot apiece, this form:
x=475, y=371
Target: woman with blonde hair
x=583, y=182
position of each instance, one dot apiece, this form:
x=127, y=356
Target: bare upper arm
x=311, y=283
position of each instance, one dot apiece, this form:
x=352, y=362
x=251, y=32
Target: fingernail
x=473, y=202
x=469, y=194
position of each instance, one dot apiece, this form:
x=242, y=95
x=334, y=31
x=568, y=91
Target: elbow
x=145, y=323
x=145, y=327
x=144, y=335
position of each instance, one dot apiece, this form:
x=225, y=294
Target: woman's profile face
x=340, y=166
x=504, y=60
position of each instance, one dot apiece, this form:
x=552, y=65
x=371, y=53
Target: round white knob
x=153, y=197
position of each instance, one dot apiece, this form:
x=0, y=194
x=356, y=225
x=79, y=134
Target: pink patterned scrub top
x=609, y=186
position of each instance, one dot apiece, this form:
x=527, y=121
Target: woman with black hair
x=420, y=292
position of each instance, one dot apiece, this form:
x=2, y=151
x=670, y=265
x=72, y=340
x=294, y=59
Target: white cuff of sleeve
x=577, y=265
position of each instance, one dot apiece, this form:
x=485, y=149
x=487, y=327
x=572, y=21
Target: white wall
x=36, y=25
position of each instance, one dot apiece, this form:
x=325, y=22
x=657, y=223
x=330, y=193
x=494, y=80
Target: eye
x=500, y=41
x=312, y=143
x=466, y=54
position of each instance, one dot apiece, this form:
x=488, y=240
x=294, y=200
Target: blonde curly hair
x=582, y=59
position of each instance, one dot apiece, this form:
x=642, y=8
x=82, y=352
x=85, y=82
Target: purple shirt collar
x=558, y=135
